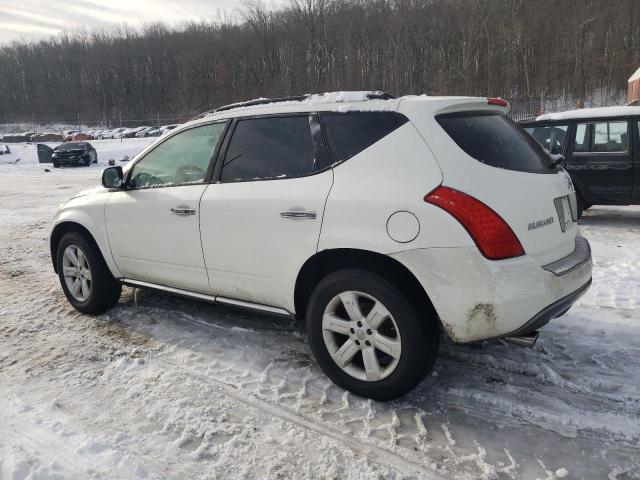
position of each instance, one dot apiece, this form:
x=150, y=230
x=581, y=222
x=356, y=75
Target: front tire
x=85, y=278
x=367, y=337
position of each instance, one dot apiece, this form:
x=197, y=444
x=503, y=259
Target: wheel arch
x=63, y=228
x=328, y=261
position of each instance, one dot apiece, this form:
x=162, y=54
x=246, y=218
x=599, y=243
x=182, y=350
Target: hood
x=90, y=191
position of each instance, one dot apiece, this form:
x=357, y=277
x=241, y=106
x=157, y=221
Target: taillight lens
x=492, y=235
x=501, y=102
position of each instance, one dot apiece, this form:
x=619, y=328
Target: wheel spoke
x=75, y=288
x=345, y=353
x=388, y=345
x=377, y=315
x=69, y=272
x=371, y=365
x=85, y=288
x=72, y=256
x=335, y=324
x=82, y=261
x=87, y=274
x=350, y=302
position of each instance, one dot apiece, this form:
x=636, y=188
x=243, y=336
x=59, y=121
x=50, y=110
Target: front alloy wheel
x=85, y=278
x=77, y=273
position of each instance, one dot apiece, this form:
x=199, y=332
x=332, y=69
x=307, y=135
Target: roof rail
x=378, y=95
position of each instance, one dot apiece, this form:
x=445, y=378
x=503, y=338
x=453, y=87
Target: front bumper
x=477, y=299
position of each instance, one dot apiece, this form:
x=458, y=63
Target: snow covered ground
x=161, y=387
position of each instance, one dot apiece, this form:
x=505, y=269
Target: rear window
x=349, y=133
x=73, y=146
x=496, y=140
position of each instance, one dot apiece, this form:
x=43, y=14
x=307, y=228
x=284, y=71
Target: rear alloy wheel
x=367, y=337
x=372, y=349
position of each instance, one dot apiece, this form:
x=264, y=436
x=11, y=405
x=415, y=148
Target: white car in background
x=144, y=132
x=382, y=221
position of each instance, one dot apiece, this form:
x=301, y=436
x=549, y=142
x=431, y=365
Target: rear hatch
x=486, y=155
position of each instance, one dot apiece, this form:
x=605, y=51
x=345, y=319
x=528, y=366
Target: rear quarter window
x=495, y=140
x=350, y=133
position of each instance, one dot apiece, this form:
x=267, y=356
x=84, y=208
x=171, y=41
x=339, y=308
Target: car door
x=153, y=224
x=260, y=221
x=600, y=160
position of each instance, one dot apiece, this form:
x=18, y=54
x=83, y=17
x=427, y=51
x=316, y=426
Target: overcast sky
x=35, y=19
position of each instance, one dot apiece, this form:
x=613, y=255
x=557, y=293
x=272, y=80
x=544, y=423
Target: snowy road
x=168, y=388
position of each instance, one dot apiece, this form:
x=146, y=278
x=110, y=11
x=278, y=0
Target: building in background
x=633, y=94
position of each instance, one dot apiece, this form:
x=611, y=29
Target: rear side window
x=349, y=133
x=269, y=148
x=551, y=137
x=496, y=140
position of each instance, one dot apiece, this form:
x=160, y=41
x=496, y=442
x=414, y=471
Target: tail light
x=493, y=237
x=500, y=102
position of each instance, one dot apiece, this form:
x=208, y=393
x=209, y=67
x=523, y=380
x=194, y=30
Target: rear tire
x=85, y=278
x=581, y=205
x=383, y=318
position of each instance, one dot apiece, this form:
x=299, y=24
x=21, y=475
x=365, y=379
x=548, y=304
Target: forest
x=580, y=51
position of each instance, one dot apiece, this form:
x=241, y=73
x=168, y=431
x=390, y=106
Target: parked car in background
x=144, y=132
x=115, y=133
x=81, y=136
x=381, y=221
x=601, y=149
x=162, y=130
x=131, y=132
x=74, y=154
x=68, y=134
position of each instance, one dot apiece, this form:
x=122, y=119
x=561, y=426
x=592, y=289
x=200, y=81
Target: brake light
x=500, y=102
x=493, y=237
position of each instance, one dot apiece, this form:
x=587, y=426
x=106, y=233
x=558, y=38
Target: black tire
x=581, y=205
x=419, y=336
x=56, y=165
x=105, y=289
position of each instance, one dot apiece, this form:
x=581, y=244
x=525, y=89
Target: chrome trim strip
x=580, y=255
x=137, y=283
x=253, y=306
x=209, y=298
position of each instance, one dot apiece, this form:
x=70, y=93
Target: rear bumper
x=477, y=299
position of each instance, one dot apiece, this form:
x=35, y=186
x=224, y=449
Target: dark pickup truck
x=601, y=149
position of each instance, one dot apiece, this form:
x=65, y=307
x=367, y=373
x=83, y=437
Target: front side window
x=269, y=148
x=551, y=137
x=608, y=137
x=180, y=160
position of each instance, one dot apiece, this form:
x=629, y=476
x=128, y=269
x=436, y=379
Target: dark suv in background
x=601, y=149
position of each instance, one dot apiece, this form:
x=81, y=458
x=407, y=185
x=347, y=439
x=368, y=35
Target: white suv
x=382, y=221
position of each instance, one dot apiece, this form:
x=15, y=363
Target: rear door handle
x=294, y=214
x=184, y=211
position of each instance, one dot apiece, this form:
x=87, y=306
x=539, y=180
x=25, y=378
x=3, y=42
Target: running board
x=207, y=298
x=528, y=340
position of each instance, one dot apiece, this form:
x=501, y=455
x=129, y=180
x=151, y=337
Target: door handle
x=184, y=211
x=293, y=214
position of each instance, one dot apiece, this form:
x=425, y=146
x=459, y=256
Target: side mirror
x=112, y=177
